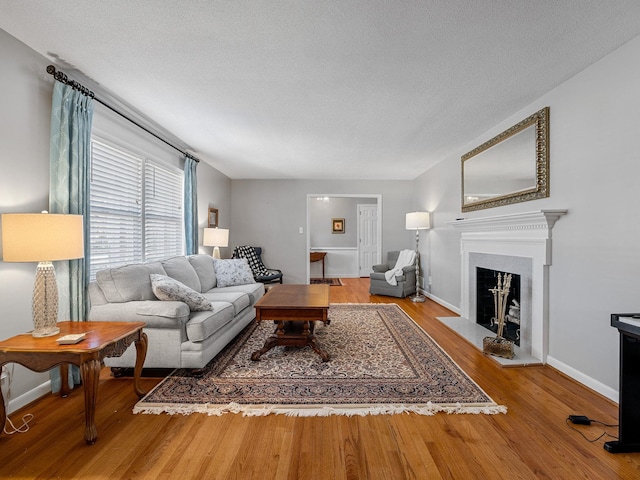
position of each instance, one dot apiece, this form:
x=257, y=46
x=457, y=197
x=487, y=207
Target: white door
x=367, y=238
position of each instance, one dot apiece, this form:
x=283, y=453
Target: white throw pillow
x=167, y=288
x=230, y=272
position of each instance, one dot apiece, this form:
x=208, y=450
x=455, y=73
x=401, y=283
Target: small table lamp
x=216, y=237
x=42, y=238
x=417, y=221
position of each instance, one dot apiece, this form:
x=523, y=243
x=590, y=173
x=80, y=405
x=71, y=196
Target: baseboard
x=587, y=381
x=29, y=397
x=453, y=308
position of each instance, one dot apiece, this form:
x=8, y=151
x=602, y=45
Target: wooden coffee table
x=103, y=339
x=295, y=309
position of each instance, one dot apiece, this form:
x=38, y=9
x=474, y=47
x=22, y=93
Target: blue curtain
x=190, y=206
x=70, y=156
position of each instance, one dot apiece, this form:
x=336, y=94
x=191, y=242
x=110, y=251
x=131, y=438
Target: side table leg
x=141, y=354
x=90, y=377
x=3, y=412
x=64, y=380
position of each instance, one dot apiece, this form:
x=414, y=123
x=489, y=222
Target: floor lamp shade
x=42, y=238
x=216, y=237
x=417, y=221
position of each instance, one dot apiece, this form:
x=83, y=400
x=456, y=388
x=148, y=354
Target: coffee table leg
x=90, y=377
x=141, y=354
x=268, y=345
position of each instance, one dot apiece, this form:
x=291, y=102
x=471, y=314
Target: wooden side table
x=317, y=257
x=103, y=339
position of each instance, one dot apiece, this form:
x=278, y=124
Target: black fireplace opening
x=487, y=279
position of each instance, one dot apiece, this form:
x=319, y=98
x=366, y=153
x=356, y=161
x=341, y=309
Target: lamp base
x=417, y=298
x=45, y=301
x=45, y=332
x=216, y=252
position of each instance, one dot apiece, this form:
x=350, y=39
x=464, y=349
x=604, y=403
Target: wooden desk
x=103, y=339
x=295, y=308
x=316, y=257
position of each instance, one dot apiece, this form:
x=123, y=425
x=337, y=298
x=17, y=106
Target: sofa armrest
x=380, y=268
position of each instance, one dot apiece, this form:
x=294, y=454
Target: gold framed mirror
x=512, y=167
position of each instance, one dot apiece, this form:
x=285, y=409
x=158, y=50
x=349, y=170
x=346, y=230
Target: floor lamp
x=43, y=238
x=216, y=238
x=417, y=221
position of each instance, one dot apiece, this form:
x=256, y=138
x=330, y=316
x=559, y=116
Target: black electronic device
x=628, y=324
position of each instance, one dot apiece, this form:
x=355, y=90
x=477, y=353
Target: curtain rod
x=62, y=78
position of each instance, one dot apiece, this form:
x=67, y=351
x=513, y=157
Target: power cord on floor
x=583, y=420
x=25, y=418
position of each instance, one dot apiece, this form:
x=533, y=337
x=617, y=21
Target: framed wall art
x=213, y=217
x=337, y=225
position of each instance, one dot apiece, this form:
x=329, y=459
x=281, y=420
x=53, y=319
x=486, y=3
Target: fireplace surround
x=519, y=243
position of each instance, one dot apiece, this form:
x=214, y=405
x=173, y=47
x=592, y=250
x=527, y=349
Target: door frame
x=378, y=198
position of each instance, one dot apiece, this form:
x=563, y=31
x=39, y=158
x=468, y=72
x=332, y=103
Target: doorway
x=351, y=251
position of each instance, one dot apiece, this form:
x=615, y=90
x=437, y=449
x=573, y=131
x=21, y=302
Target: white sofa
x=178, y=337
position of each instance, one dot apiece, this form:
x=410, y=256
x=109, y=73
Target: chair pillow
x=167, y=288
x=230, y=272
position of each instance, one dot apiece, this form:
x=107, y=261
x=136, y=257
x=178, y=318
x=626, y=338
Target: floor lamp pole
x=418, y=297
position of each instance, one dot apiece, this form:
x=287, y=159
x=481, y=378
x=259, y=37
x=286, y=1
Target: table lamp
x=43, y=238
x=216, y=237
x=417, y=221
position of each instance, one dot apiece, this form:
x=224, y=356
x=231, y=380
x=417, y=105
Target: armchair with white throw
x=396, y=277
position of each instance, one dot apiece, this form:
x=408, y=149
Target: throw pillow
x=232, y=272
x=167, y=288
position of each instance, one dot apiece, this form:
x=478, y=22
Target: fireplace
x=519, y=244
x=486, y=314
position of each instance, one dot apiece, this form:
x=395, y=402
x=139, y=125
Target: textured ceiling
x=367, y=89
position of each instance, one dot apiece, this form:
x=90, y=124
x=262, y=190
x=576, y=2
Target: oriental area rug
x=381, y=362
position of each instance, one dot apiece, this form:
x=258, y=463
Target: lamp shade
x=216, y=237
x=41, y=237
x=417, y=221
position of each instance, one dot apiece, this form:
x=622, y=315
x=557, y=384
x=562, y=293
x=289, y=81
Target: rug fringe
x=316, y=410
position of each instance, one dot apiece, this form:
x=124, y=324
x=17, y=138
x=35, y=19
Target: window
x=135, y=208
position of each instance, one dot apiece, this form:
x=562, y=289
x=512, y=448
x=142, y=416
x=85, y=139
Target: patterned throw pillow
x=167, y=288
x=231, y=272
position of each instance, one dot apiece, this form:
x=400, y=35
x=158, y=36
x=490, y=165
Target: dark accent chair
x=378, y=284
x=253, y=255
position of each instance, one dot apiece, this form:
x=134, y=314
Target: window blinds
x=135, y=209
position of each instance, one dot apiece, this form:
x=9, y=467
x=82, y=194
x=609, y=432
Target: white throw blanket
x=406, y=258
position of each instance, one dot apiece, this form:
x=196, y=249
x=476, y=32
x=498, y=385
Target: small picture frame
x=337, y=225
x=213, y=217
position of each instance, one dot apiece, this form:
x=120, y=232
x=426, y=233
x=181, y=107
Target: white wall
x=594, y=167
x=269, y=213
x=25, y=97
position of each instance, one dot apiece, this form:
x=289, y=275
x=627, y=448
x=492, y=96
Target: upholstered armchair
x=261, y=273
x=406, y=283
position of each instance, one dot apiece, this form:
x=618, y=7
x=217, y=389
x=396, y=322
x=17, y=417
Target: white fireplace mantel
x=539, y=219
x=526, y=235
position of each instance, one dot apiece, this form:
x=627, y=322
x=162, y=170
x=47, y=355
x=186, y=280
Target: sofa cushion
x=181, y=269
x=128, y=283
x=167, y=288
x=203, y=265
x=231, y=272
x=239, y=300
x=204, y=324
x=254, y=290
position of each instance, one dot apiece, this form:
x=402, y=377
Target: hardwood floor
x=531, y=441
